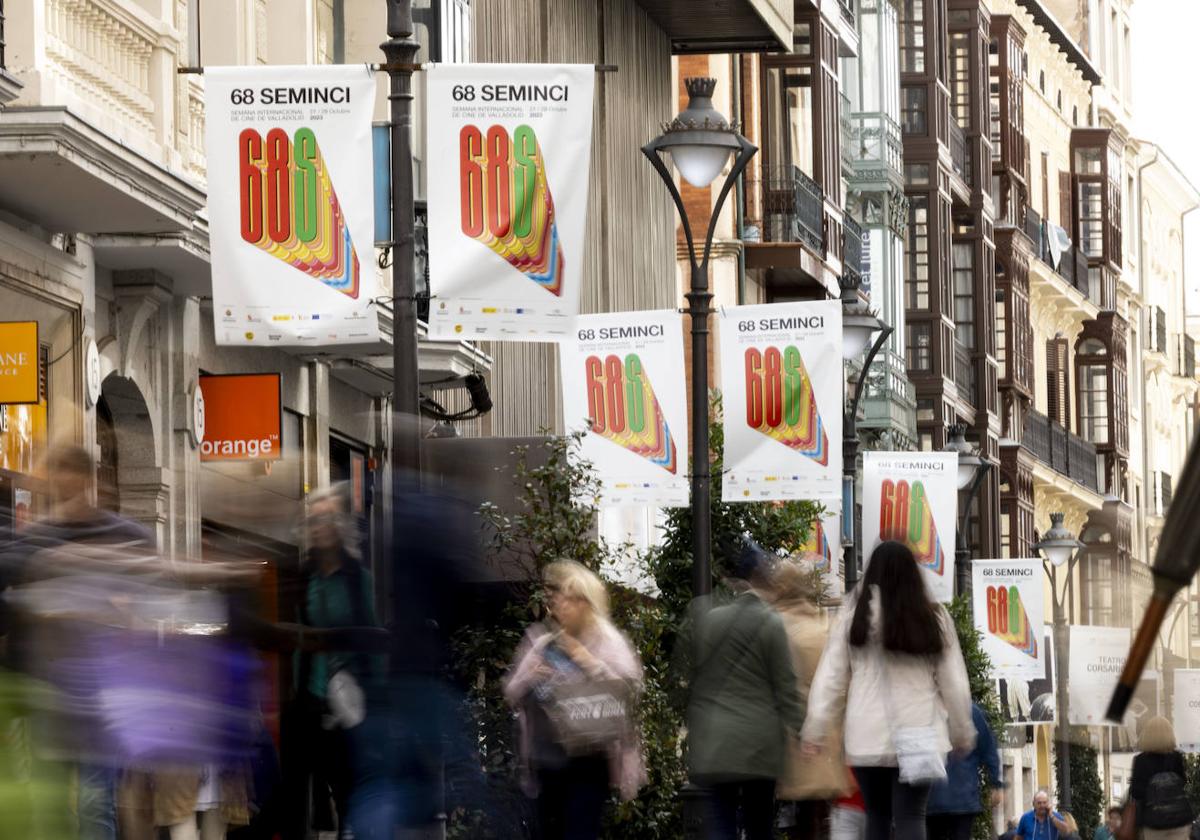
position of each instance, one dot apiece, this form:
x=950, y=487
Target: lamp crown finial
x=1056, y=520
x=700, y=86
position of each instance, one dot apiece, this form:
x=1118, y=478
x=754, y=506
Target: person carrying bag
x=573, y=684
x=893, y=678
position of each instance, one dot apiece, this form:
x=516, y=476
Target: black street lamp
x=972, y=469
x=700, y=141
x=1059, y=547
x=858, y=323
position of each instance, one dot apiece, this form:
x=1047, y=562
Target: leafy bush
x=983, y=692
x=1087, y=794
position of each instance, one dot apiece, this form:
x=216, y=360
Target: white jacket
x=851, y=686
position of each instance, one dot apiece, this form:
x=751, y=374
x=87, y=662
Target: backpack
x=1167, y=804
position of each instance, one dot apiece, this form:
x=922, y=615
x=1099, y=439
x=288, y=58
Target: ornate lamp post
x=1059, y=547
x=858, y=324
x=972, y=469
x=700, y=142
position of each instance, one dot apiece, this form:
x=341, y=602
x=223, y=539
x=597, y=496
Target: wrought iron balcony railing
x=1160, y=330
x=1033, y=229
x=847, y=8
x=852, y=251
x=1063, y=451
x=793, y=208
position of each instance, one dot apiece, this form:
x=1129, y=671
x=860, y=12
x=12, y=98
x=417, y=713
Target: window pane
x=789, y=105
x=917, y=350
x=912, y=110
x=912, y=36
x=1093, y=403
x=963, y=259
x=916, y=284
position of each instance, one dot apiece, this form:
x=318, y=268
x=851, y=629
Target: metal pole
x=1064, y=737
x=962, y=551
x=699, y=309
x=400, y=51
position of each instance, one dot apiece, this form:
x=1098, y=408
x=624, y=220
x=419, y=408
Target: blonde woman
x=807, y=782
x=577, y=645
x=1157, y=789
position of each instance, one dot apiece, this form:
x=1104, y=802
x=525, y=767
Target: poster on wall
x=782, y=401
x=824, y=546
x=1186, y=707
x=1030, y=700
x=912, y=497
x=622, y=381
x=1007, y=602
x=290, y=204
x=1097, y=657
x=511, y=146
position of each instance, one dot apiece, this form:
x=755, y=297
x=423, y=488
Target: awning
x=724, y=26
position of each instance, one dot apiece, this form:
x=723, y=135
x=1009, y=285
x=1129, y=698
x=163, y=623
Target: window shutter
x=1065, y=215
x=1058, y=390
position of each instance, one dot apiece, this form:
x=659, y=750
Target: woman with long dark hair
x=892, y=666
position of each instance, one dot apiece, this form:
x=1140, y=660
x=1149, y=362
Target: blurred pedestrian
x=1041, y=823
x=1108, y=829
x=894, y=676
x=808, y=782
x=1158, y=797
x=573, y=683
x=744, y=705
x=848, y=816
x=1010, y=830
x=954, y=803
x=332, y=687
x=75, y=532
x=1072, y=828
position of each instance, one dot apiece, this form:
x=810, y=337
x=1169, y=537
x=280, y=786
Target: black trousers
x=756, y=800
x=949, y=826
x=571, y=801
x=892, y=804
x=316, y=767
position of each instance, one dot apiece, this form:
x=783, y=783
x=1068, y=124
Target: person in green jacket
x=743, y=705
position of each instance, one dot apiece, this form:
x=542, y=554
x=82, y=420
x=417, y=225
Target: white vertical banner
x=912, y=497
x=291, y=204
x=782, y=387
x=509, y=155
x=1007, y=598
x=1096, y=657
x=1186, y=706
x=824, y=543
x=623, y=381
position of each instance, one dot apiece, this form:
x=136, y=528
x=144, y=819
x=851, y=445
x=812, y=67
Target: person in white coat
x=892, y=662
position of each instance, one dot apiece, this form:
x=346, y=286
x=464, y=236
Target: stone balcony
x=113, y=64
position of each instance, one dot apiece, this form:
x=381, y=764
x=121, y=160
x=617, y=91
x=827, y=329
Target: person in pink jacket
x=578, y=644
x=892, y=661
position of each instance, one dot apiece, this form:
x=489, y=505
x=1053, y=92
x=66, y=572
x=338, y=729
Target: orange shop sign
x=242, y=417
x=18, y=362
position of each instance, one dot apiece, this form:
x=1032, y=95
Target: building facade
x=104, y=242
